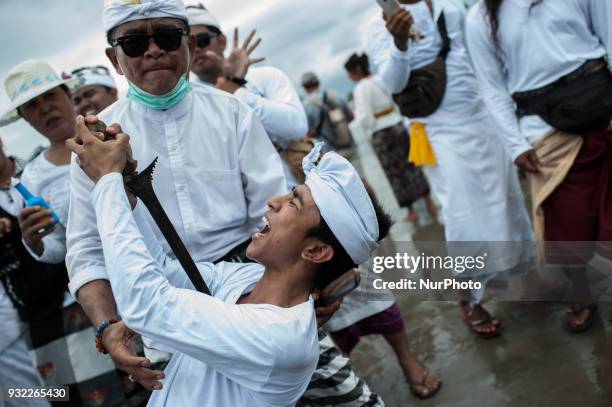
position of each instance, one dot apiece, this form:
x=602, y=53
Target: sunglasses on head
x=135, y=45
x=203, y=40
x=97, y=70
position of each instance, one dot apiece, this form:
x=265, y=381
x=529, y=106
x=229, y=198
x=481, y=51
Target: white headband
x=199, y=15
x=117, y=12
x=343, y=201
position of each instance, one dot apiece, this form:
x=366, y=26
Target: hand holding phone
x=389, y=7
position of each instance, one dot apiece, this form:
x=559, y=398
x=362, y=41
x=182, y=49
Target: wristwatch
x=237, y=81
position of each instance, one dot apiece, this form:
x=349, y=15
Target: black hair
x=311, y=84
x=341, y=262
x=358, y=61
x=492, y=7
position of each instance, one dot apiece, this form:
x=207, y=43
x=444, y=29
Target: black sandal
x=586, y=325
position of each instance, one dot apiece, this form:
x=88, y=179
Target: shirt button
x=189, y=228
x=180, y=188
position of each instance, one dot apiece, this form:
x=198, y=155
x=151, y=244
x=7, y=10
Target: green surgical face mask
x=160, y=102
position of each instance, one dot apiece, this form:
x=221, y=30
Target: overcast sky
x=298, y=35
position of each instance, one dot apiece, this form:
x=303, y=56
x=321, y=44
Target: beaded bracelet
x=99, y=331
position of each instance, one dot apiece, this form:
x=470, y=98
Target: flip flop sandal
x=586, y=325
x=487, y=320
x=431, y=393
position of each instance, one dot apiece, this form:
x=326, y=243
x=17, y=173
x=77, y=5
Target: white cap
x=343, y=201
x=199, y=15
x=27, y=81
x=117, y=12
x=92, y=75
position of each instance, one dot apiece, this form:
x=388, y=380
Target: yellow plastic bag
x=421, y=152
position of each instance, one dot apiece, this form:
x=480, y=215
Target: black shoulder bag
x=425, y=90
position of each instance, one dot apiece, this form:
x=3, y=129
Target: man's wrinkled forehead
x=146, y=26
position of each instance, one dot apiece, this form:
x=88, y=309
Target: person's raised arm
x=280, y=111
x=85, y=259
x=185, y=320
x=392, y=63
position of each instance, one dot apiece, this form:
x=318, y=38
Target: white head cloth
x=199, y=15
x=92, y=75
x=117, y=12
x=343, y=201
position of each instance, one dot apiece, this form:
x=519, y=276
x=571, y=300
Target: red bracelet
x=99, y=331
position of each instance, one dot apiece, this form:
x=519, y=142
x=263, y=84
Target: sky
x=297, y=36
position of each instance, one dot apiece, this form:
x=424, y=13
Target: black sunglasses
x=97, y=70
x=203, y=40
x=135, y=45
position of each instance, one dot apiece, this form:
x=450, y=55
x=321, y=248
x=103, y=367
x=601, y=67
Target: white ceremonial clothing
x=370, y=97
x=271, y=94
x=43, y=178
x=273, y=98
x=537, y=47
x=227, y=354
x=475, y=181
x=216, y=169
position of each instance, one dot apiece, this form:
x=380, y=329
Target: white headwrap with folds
x=343, y=201
x=199, y=15
x=117, y=12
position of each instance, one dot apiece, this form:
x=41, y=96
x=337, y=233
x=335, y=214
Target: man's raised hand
x=238, y=62
x=399, y=24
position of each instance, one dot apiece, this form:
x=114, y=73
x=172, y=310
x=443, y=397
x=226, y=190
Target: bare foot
x=431, y=207
x=412, y=216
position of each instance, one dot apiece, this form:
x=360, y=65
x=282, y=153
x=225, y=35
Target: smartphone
x=388, y=6
x=340, y=287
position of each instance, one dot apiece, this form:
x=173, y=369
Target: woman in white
x=474, y=179
x=521, y=48
x=377, y=116
x=62, y=340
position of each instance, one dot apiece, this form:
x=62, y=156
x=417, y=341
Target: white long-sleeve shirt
x=52, y=182
x=393, y=66
x=216, y=169
x=537, y=48
x=370, y=97
x=271, y=94
x=228, y=354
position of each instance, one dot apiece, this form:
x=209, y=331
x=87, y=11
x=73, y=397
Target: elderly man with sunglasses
x=216, y=165
x=267, y=90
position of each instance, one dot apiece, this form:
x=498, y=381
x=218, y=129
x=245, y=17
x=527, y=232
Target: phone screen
x=388, y=6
